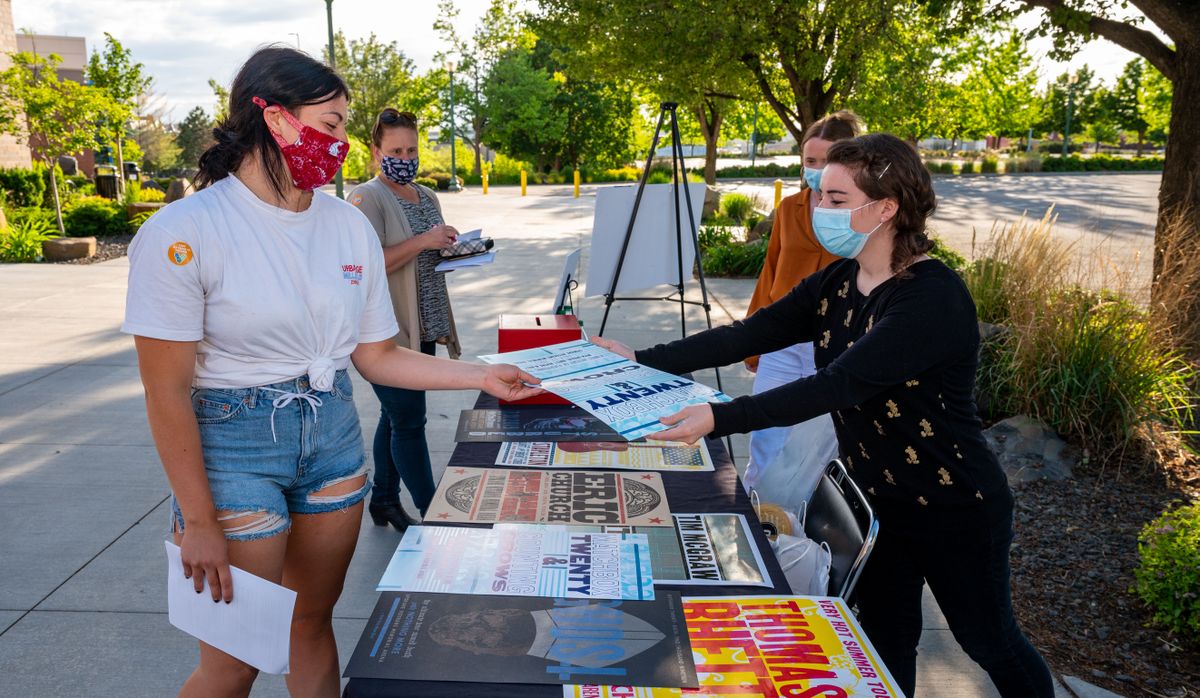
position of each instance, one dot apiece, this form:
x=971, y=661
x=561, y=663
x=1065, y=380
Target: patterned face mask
x=399, y=170
x=314, y=158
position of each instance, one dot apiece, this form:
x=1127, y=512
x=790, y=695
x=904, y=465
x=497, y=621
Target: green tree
x=124, y=80
x=56, y=117
x=378, y=75
x=1124, y=101
x=160, y=149
x=221, y=110
x=1076, y=89
x=1000, y=86
x=1073, y=22
x=1103, y=126
x=194, y=135
x=519, y=99
x=1155, y=99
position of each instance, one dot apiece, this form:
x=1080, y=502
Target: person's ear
x=278, y=125
x=376, y=156
x=889, y=210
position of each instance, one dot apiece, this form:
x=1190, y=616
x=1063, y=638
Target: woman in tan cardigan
x=408, y=219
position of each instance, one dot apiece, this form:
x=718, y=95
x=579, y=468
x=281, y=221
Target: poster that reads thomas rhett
x=647, y=455
x=521, y=560
x=525, y=639
x=570, y=497
x=625, y=395
x=769, y=647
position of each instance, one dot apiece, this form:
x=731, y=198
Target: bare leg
x=219, y=674
x=319, y=550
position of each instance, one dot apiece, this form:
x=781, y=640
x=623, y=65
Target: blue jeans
x=274, y=461
x=963, y=556
x=399, y=448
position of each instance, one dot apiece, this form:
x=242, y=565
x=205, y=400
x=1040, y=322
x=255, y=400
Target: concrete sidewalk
x=83, y=499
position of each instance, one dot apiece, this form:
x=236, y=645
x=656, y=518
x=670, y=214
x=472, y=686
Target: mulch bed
x=1073, y=561
x=110, y=247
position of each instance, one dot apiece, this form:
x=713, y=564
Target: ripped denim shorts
x=270, y=450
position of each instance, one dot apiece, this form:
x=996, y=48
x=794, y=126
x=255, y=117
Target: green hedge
x=1100, y=163
x=746, y=172
x=95, y=216
x=23, y=187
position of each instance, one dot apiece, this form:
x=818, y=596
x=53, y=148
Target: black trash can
x=106, y=185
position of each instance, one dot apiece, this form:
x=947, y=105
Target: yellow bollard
x=485, y=180
x=576, y=184
x=778, y=192
x=523, y=182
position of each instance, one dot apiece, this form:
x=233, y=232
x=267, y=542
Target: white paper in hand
x=256, y=627
x=472, y=235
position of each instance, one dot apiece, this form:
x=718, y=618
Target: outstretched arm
x=384, y=363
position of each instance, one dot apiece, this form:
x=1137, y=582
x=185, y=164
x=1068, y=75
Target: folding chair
x=840, y=516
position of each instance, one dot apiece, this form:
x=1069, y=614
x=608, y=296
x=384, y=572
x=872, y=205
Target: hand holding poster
x=770, y=646
x=627, y=396
x=521, y=560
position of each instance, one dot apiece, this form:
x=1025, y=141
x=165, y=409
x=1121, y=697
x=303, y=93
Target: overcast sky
x=183, y=43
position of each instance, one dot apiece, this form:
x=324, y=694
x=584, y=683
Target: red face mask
x=314, y=158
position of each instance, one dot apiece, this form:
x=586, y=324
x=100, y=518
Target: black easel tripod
x=678, y=182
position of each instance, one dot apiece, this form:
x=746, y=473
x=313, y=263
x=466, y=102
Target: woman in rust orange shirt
x=793, y=254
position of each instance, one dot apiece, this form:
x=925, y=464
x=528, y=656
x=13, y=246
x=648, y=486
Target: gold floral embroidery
x=912, y=456
x=849, y=344
x=840, y=418
x=893, y=409
x=887, y=475
x=945, y=477
x=978, y=494
x=824, y=306
x=957, y=454
x=871, y=490
x=845, y=290
x=849, y=314
x=878, y=427
x=850, y=462
x=923, y=501
x=926, y=428
x=870, y=323
x=825, y=340
x=912, y=383
x=864, y=451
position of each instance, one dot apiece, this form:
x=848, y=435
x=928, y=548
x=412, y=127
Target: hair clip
x=262, y=104
x=881, y=174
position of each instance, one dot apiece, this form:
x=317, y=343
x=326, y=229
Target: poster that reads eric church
x=576, y=497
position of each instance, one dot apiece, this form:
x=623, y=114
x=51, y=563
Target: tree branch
x=1136, y=39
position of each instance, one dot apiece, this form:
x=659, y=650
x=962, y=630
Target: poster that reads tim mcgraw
x=770, y=647
x=577, y=497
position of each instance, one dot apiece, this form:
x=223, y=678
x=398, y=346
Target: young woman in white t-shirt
x=248, y=302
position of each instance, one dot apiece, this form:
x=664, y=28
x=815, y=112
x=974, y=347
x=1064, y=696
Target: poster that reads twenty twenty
x=623, y=394
x=576, y=497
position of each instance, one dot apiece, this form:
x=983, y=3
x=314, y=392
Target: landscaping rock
x=712, y=201
x=179, y=188
x=63, y=249
x=1083, y=689
x=142, y=207
x=761, y=229
x=1029, y=450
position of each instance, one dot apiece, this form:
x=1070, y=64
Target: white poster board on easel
x=652, y=257
x=570, y=273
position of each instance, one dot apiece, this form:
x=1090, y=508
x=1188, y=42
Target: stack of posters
x=647, y=455
x=525, y=639
x=770, y=646
x=578, y=497
x=521, y=560
x=625, y=395
x=712, y=549
x=543, y=423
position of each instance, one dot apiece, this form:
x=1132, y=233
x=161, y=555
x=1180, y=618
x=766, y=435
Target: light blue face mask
x=812, y=176
x=832, y=226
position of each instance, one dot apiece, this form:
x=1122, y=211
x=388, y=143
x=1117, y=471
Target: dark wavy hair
x=389, y=119
x=280, y=76
x=885, y=167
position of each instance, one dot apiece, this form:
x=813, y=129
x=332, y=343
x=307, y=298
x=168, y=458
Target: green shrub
x=22, y=242
x=441, y=179
x=23, y=187
x=17, y=216
x=773, y=170
x=713, y=236
x=96, y=216
x=1092, y=368
x=985, y=280
x=736, y=206
x=1168, y=574
x=969, y=167
x=989, y=165
x=1026, y=163
x=152, y=196
x=427, y=182
x=947, y=255
x=136, y=222
x=736, y=258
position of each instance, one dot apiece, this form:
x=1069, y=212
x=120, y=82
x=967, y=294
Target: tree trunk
x=708, y=114
x=120, y=166
x=1179, y=193
x=478, y=158
x=1141, y=139
x=57, y=203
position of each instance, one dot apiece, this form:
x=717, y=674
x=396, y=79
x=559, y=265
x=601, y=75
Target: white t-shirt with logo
x=269, y=294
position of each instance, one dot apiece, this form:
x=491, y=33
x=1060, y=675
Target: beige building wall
x=13, y=153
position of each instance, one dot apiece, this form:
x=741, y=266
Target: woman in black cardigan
x=896, y=346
